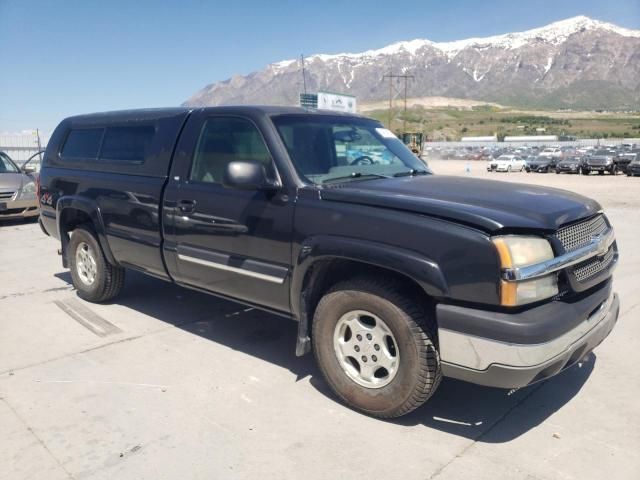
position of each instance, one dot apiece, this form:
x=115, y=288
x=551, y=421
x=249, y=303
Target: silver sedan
x=17, y=190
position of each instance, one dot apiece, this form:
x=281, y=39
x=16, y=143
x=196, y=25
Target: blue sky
x=65, y=57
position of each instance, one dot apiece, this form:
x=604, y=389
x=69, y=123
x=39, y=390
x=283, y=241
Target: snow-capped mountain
x=578, y=62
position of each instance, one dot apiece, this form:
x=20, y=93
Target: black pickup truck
x=396, y=276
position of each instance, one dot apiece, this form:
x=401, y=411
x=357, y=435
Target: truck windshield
x=336, y=149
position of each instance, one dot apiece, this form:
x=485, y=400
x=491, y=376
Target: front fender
x=92, y=210
x=421, y=269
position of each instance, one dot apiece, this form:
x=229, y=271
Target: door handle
x=186, y=206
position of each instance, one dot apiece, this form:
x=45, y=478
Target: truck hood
x=486, y=204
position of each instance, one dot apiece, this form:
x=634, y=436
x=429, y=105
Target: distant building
x=532, y=138
x=480, y=139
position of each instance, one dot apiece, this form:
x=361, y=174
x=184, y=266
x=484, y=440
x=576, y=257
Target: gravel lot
x=167, y=383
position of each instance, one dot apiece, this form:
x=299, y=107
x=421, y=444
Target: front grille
x=573, y=237
x=11, y=211
x=6, y=195
x=580, y=234
x=587, y=269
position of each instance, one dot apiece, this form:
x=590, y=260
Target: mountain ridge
x=561, y=64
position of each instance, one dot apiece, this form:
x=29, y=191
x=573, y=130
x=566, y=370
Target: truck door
x=231, y=242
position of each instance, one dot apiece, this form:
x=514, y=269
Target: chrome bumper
x=510, y=365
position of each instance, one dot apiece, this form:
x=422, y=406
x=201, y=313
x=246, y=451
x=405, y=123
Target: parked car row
x=612, y=159
x=579, y=161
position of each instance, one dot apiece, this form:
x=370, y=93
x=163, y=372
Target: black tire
x=600, y=172
x=418, y=373
x=586, y=172
x=557, y=172
x=109, y=278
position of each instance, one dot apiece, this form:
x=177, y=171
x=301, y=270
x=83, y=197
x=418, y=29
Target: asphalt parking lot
x=167, y=383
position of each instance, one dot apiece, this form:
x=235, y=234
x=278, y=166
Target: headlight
x=519, y=251
x=29, y=189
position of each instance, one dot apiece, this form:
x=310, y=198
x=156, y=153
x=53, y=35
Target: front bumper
x=19, y=209
x=515, y=350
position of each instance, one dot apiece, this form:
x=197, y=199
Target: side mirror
x=29, y=168
x=246, y=175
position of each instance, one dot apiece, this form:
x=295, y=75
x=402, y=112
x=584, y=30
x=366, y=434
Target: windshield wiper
x=352, y=175
x=410, y=173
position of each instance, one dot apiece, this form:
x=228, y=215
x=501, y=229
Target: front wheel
x=95, y=279
x=376, y=347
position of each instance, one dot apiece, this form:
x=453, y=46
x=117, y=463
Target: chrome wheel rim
x=366, y=349
x=86, y=266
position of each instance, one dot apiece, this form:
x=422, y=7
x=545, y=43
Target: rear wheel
x=375, y=347
x=585, y=172
x=95, y=279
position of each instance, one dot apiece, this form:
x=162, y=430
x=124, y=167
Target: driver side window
x=224, y=140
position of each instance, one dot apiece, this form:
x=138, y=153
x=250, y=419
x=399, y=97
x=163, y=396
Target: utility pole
x=391, y=76
x=304, y=77
x=39, y=144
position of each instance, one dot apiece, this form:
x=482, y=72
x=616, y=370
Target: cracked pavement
x=170, y=383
